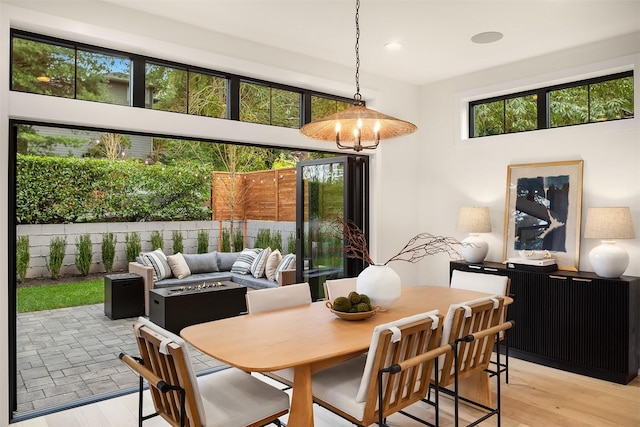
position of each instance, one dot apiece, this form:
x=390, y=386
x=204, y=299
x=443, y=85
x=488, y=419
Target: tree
x=31, y=142
x=111, y=146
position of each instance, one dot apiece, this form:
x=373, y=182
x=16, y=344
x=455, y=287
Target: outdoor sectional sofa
x=210, y=267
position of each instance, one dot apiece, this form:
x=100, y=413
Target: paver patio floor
x=69, y=354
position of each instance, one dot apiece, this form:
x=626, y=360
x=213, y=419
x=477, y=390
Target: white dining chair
x=339, y=287
x=269, y=299
x=491, y=284
x=276, y=298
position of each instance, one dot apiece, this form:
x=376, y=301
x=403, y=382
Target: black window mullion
x=542, y=106
x=138, y=82
x=233, y=109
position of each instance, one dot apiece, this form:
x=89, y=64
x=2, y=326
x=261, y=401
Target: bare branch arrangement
x=354, y=244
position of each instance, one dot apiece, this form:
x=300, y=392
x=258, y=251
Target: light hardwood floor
x=536, y=396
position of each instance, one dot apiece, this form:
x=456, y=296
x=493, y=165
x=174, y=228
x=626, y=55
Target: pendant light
x=357, y=127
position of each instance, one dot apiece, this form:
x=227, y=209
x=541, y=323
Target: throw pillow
x=178, y=265
x=259, y=264
x=226, y=260
x=288, y=262
x=158, y=261
x=202, y=263
x=244, y=261
x=272, y=263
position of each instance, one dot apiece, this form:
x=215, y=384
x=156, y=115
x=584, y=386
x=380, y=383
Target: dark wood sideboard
x=574, y=321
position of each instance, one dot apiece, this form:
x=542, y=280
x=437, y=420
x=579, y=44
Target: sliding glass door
x=328, y=188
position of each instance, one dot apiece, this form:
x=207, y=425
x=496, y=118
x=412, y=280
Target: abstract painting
x=543, y=210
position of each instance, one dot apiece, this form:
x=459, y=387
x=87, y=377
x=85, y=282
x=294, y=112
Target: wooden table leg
x=301, y=411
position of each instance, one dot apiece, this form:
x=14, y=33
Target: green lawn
x=61, y=295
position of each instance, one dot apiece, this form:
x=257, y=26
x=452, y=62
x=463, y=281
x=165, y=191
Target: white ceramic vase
x=381, y=284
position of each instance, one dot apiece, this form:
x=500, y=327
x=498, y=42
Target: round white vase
x=381, y=284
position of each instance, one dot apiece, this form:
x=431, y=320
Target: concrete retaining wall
x=40, y=237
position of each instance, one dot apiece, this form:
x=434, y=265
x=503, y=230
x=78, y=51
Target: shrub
x=84, y=254
x=226, y=242
x=109, y=241
x=157, y=241
x=238, y=241
x=263, y=239
x=203, y=241
x=134, y=247
x=57, y=248
x=22, y=257
x=130, y=191
x=176, y=237
x=276, y=241
x=291, y=244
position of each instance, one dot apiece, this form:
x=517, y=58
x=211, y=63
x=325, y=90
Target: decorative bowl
x=353, y=316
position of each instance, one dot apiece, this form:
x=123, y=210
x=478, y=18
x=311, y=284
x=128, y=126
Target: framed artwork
x=543, y=211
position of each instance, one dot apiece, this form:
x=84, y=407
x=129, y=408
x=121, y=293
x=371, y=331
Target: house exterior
x=418, y=182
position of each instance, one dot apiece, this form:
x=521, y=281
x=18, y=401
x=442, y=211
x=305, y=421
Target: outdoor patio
x=71, y=354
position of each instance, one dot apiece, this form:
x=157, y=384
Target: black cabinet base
x=176, y=307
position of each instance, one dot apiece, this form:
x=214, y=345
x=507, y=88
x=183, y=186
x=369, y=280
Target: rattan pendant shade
x=325, y=128
x=357, y=127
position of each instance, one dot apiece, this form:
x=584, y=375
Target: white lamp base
x=609, y=260
x=474, y=248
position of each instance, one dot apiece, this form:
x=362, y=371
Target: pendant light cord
x=357, y=97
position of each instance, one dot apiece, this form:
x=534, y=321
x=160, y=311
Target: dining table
x=310, y=337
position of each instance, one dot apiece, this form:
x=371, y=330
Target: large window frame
x=138, y=91
x=542, y=97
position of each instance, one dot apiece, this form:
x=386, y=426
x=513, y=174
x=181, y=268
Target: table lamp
x=607, y=259
x=474, y=220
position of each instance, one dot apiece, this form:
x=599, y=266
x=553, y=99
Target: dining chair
x=334, y=288
x=276, y=298
x=394, y=374
x=472, y=328
x=228, y=397
x=493, y=284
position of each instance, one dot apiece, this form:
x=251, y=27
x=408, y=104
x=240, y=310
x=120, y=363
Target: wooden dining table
x=310, y=337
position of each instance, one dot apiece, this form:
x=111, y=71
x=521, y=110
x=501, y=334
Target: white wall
x=463, y=172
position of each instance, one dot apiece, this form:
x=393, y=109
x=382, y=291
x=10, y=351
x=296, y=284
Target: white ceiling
x=435, y=33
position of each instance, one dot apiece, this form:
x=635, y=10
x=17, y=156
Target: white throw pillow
x=179, y=266
x=244, y=261
x=272, y=263
x=259, y=264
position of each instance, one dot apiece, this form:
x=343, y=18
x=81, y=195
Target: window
x=269, y=106
x=65, y=71
x=207, y=95
x=49, y=66
x=321, y=107
x=588, y=101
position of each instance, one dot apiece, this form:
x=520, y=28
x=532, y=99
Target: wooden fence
x=264, y=195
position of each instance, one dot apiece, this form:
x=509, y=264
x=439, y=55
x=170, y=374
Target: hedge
x=58, y=190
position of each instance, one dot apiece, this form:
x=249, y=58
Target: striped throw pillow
x=244, y=261
x=158, y=261
x=288, y=263
x=259, y=264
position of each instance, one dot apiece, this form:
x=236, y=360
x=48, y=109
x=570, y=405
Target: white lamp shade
x=474, y=219
x=609, y=223
x=608, y=259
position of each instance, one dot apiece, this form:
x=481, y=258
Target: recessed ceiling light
x=393, y=45
x=486, y=37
